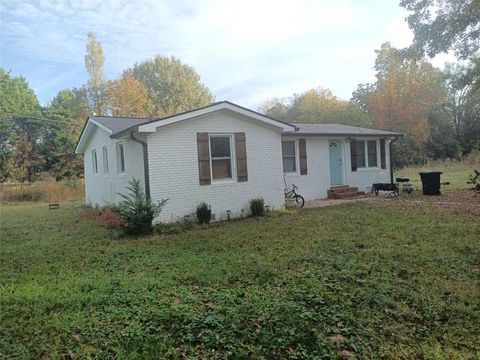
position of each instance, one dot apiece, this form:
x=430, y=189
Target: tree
x=66, y=114
x=463, y=105
x=94, y=61
x=404, y=93
x=317, y=106
x=173, y=87
x=409, y=96
x=19, y=131
x=128, y=97
x=441, y=25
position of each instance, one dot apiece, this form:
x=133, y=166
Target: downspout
x=390, y=157
x=145, y=163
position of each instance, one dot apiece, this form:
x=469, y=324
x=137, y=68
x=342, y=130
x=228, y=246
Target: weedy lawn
x=380, y=279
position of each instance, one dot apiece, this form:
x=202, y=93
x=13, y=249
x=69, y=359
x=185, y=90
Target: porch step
x=343, y=192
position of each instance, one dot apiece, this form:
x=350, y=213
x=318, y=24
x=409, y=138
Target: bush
x=137, y=210
x=204, y=213
x=257, y=207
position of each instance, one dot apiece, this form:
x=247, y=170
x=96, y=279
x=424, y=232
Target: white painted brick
x=173, y=165
x=102, y=190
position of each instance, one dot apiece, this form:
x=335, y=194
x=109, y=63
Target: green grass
x=375, y=280
x=454, y=171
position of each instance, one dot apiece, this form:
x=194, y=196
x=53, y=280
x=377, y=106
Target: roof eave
x=341, y=134
x=85, y=134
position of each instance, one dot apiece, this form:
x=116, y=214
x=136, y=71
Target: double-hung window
x=94, y=162
x=105, y=160
x=366, y=155
x=289, y=157
x=120, y=158
x=221, y=157
x=360, y=153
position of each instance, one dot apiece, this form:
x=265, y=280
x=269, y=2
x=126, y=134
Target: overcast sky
x=245, y=51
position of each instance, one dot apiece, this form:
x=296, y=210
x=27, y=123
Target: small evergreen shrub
x=204, y=213
x=257, y=207
x=138, y=211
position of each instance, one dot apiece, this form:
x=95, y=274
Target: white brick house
x=226, y=155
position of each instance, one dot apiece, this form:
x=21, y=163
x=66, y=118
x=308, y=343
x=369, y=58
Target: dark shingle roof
x=117, y=124
x=337, y=129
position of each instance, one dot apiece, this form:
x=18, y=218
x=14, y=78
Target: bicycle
x=292, y=194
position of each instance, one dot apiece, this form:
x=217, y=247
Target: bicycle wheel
x=299, y=200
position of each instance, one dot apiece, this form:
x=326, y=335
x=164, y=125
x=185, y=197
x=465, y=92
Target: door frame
x=340, y=143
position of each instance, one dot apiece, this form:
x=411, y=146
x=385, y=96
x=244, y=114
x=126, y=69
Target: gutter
x=145, y=164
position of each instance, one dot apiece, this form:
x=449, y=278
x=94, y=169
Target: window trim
x=120, y=157
x=233, y=164
x=94, y=162
x=296, y=157
x=365, y=154
x=105, y=161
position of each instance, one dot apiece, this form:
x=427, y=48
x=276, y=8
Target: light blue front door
x=336, y=165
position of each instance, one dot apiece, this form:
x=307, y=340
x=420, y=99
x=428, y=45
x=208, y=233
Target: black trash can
x=431, y=182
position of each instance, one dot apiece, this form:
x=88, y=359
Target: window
x=120, y=158
x=372, y=153
x=364, y=154
x=360, y=153
x=94, y=162
x=289, y=158
x=221, y=157
x=105, y=160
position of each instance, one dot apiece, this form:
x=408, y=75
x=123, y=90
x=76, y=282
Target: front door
x=336, y=165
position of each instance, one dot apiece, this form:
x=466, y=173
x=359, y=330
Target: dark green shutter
x=353, y=154
x=302, y=144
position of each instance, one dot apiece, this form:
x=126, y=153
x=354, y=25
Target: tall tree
x=463, y=105
x=128, y=97
x=94, y=61
x=442, y=25
x=317, y=106
x=19, y=132
x=405, y=92
x=173, y=87
x=66, y=114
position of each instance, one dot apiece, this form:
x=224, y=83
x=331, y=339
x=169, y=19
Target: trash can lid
x=430, y=172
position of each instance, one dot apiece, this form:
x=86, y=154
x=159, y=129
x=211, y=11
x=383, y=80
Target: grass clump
x=42, y=191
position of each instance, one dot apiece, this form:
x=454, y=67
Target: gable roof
x=337, y=130
x=119, y=126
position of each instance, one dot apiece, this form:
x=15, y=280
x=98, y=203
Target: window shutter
x=353, y=154
x=241, y=154
x=203, y=159
x=302, y=144
x=383, y=161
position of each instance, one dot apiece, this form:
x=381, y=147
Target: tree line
x=38, y=141
x=438, y=111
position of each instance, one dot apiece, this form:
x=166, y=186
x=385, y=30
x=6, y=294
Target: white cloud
x=246, y=51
